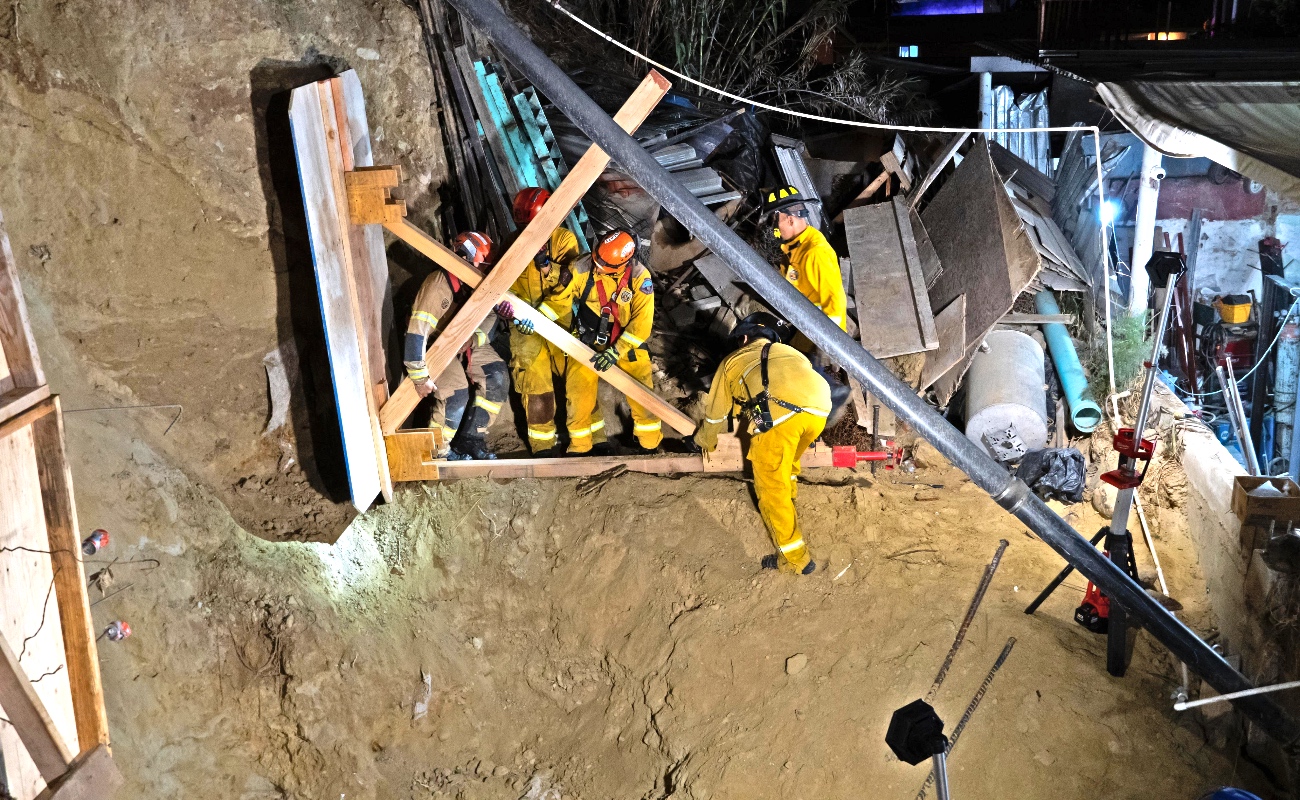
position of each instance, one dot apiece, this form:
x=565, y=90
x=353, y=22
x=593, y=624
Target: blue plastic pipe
x=1084, y=411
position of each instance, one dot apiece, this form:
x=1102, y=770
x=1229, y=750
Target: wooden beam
x=413, y=454
x=70, y=579
x=92, y=775
x=726, y=461
x=936, y=168
x=16, y=401
x=404, y=400
x=370, y=198
x=27, y=714
x=492, y=289
x=29, y=415
x=358, y=266
x=864, y=195
x=16, y=341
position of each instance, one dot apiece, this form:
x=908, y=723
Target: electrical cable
x=1095, y=130
x=1262, y=359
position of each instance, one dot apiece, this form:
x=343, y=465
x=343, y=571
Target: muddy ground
x=475, y=640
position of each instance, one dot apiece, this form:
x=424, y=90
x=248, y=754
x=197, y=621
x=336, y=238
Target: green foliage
x=1131, y=349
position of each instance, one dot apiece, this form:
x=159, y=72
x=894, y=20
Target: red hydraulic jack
x=849, y=456
x=1097, y=613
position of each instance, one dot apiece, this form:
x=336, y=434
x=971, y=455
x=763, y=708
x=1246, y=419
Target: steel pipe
x=1012, y=494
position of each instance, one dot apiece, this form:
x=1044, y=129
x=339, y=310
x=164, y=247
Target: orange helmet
x=527, y=203
x=615, y=249
x=474, y=246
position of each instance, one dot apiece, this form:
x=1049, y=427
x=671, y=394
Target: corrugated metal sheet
x=1247, y=127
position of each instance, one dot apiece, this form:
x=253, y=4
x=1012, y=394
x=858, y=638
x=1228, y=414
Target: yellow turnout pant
x=775, y=457
x=533, y=362
x=585, y=416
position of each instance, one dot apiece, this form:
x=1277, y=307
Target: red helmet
x=527, y=203
x=615, y=249
x=474, y=246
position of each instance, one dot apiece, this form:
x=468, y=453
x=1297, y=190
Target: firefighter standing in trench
x=787, y=402
x=812, y=264
x=546, y=284
x=614, y=306
x=438, y=300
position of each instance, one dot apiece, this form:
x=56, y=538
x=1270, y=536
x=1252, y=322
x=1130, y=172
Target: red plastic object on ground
x=96, y=541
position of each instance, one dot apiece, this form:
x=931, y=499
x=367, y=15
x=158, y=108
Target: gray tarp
x=1248, y=127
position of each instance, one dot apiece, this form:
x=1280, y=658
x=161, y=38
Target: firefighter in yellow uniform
x=614, y=305
x=812, y=264
x=786, y=401
x=438, y=300
x=546, y=284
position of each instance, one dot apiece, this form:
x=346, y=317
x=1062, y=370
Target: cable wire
x=1095, y=130
x=1263, y=358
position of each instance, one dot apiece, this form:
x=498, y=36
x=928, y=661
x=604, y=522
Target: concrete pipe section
x=1006, y=406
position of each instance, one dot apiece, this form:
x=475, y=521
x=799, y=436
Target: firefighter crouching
x=787, y=402
x=440, y=296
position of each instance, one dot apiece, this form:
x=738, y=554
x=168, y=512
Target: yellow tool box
x=1234, y=309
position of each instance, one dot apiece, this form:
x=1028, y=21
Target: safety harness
x=758, y=407
x=599, y=333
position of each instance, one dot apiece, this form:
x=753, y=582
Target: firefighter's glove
x=604, y=360
x=524, y=326
x=505, y=311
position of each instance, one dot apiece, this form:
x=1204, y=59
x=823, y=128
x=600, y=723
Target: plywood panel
x=951, y=326
x=329, y=248
x=893, y=308
x=26, y=584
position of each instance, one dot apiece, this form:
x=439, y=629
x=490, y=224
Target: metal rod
x=1060, y=578
x=1243, y=424
x=940, y=762
x=1012, y=494
x=1205, y=701
x=980, y=591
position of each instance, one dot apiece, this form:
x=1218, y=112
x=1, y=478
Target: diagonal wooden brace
x=369, y=195
x=454, y=264
x=493, y=288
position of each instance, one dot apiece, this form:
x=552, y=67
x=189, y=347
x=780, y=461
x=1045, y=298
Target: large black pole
x=1009, y=492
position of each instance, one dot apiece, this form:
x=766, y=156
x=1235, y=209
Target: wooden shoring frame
x=59, y=733
x=491, y=289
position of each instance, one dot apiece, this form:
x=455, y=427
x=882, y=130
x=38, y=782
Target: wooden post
x=404, y=400
x=70, y=580
x=492, y=289
x=27, y=714
x=92, y=775
x=17, y=347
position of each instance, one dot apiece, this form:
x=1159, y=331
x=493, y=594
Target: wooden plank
x=920, y=299
x=22, y=361
x=895, y=165
x=864, y=195
x=62, y=531
x=816, y=456
x=931, y=266
x=889, y=302
x=936, y=168
x=364, y=277
x=1037, y=319
x=413, y=454
x=20, y=421
x=331, y=252
x=950, y=323
x=492, y=289
x=27, y=714
x=16, y=401
x=728, y=456
x=92, y=775
x=861, y=411
x=29, y=613
x=1013, y=167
